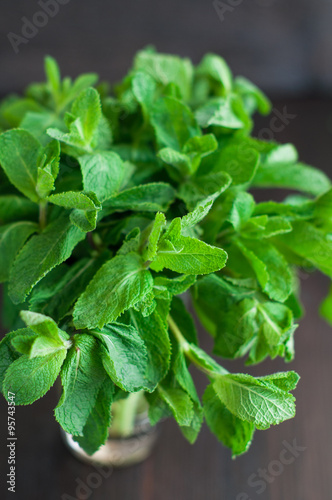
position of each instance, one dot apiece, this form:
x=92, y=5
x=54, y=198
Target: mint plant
x=114, y=201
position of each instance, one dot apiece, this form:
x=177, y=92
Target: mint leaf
x=19, y=157
x=173, y=122
x=254, y=400
x=183, y=254
x=55, y=294
x=152, y=197
x=82, y=122
x=96, y=429
x=12, y=238
x=218, y=112
x=166, y=69
x=293, y=176
x=42, y=252
x=120, y=284
x=82, y=376
x=124, y=356
x=103, y=173
x=30, y=379
x=233, y=432
x=153, y=331
x=153, y=238
x=216, y=68
x=16, y=208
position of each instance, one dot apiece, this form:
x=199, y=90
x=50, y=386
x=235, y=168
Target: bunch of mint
x=113, y=203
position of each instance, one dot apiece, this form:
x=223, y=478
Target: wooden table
x=177, y=470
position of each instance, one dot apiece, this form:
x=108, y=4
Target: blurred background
x=285, y=48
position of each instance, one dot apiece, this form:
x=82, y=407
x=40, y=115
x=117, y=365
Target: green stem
x=42, y=214
x=185, y=347
x=124, y=414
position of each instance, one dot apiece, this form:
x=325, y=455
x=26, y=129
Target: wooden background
x=285, y=46
x=46, y=470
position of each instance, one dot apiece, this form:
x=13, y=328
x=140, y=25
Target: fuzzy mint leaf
x=41, y=254
x=166, y=69
x=218, y=112
x=85, y=206
x=310, y=243
x=153, y=238
x=82, y=376
x=254, y=400
x=82, y=122
x=56, y=293
x=103, y=173
x=292, y=176
x=19, y=157
x=121, y=283
x=233, y=432
x=187, y=255
x=96, y=429
x=45, y=326
x=216, y=68
x=16, y=208
x=12, y=238
x=152, y=197
x=174, y=123
x=271, y=268
x=153, y=331
x=30, y=379
x=124, y=356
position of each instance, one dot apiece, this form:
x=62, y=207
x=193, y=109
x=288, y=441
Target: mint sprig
x=114, y=205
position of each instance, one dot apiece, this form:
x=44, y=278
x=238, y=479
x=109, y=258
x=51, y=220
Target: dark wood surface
x=47, y=471
x=280, y=44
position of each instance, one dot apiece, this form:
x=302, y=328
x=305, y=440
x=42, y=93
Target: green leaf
x=196, y=189
x=183, y=254
x=103, y=173
x=124, y=356
x=254, y=400
x=273, y=273
x=96, y=429
x=200, y=211
x=174, y=123
x=252, y=96
x=153, y=331
x=293, y=176
x=152, y=243
x=152, y=197
x=53, y=75
x=45, y=326
x=56, y=293
x=121, y=283
x=82, y=376
x=12, y=238
x=19, y=157
x=239, y=159
x=30, y=379
x=82, y=122
x=216, y=68
x=144, y=88
x=16, y=208
x=42, y=252
x=166, y=69
x=7, y=352
x=233, y=432
x=85, y=207
x=179, y=403
x=310, y=243
x=218, y=112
